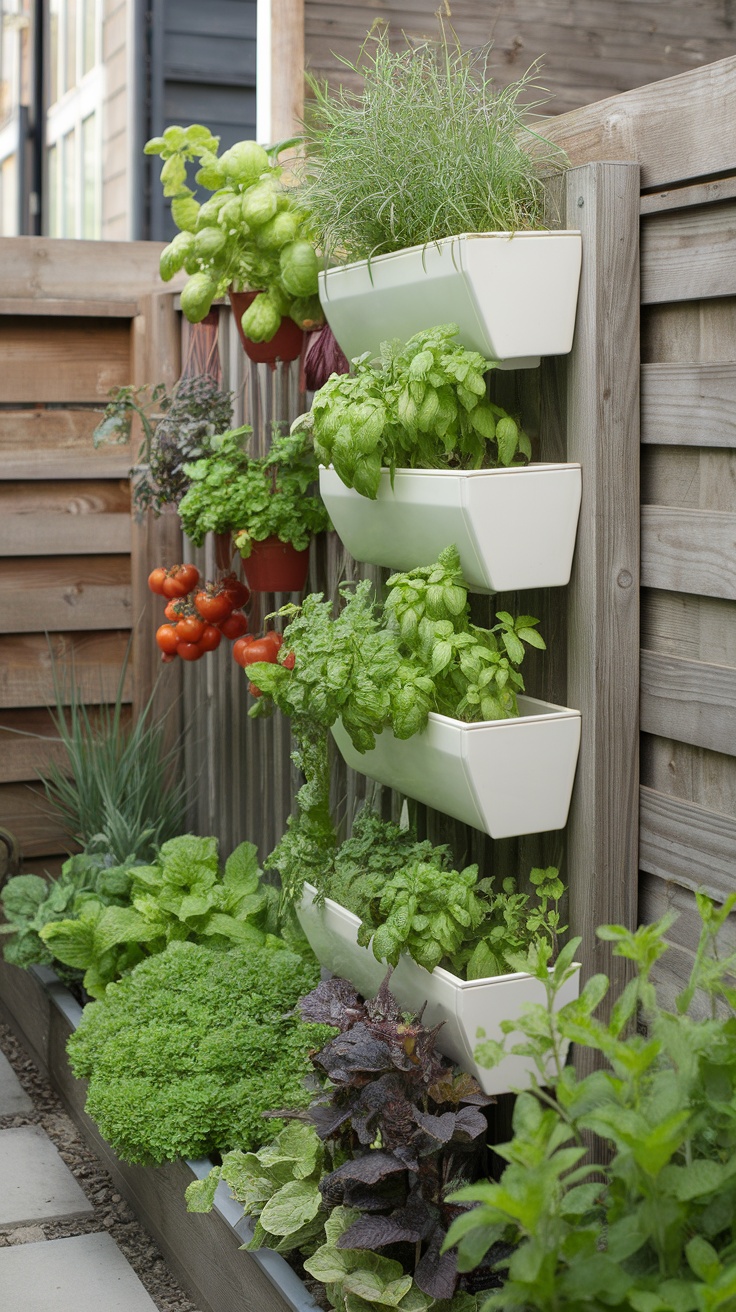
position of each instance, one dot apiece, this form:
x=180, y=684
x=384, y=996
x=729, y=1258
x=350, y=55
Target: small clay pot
x=276, y=566
x=286, y=344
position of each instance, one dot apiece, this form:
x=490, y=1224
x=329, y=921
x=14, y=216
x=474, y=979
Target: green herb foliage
x=114, y=793
x=259, y=497
x=248, y=234
x=178, y=428
x=424, y=406
x=183, y=895
x=30, y=903
x=650, y=1229
x=278, y=1186
x=428, y=147
x=187, y=1052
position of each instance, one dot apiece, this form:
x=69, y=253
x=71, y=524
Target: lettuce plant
x=620, y=1187
x=422, y=406
x=182, y=895
x=259, y=498
x=187, y=1051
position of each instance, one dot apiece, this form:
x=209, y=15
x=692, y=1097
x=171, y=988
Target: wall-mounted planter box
x=514, y=528
x=513, y=295
x=203, y=1250
x=463, y=1006
x=504, y=777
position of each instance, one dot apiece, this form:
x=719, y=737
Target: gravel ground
x=111, y=1211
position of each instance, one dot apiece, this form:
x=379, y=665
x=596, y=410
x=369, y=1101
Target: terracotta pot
x=223, y=550
x=285, y=345
x=276, y=566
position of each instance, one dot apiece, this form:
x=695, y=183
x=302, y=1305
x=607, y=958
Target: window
x=73, y=129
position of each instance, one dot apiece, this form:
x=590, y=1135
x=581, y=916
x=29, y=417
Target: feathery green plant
x=113, y=793
x=428, y=148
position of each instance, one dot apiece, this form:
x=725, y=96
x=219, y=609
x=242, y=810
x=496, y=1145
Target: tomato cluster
x=198, y=614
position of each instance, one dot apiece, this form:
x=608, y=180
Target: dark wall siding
x=202, y=70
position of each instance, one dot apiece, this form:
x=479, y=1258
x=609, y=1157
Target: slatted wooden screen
x=76, y=319
x=681, y=133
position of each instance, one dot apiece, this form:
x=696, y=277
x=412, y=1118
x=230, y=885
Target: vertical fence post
x=602, y=421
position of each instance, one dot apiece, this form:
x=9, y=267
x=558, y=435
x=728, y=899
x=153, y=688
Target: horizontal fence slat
x=26, y=744
x=690, y=701
x=41, y=443
x=49, y=306
x=62, y=359
x=689, y=550
x=25, y=812
x=689, y=256
x=78, y=535
x=53, y=268
x=27, y=667
x=681, y=841
x=660, y=896
x=688, y=405
x=67, y=592
x=680, y=198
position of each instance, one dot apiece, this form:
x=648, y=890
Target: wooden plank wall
x=680, y=131
x=589, y=48
x=76, y=319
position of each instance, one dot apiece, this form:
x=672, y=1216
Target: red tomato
x=166, y=638
x=156, y=580
x=188, y=574
x=235, y=625
x=171, y=612
x=211, y=638
x=190, y=651
x=260, y=650
x=239, y=647
x=214, y=606
x=237, y=590
x=254, y=692
x=173, y=586
x=189, y=629
x=289, y=661
x=276, y=639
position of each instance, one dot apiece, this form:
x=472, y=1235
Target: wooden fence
x=76, y=319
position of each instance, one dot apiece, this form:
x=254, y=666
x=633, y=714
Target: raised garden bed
x=203, y=1251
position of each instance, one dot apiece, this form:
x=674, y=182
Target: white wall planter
x=513, y=295
x=514, y=528
x=463, y=1006
x=504, y=777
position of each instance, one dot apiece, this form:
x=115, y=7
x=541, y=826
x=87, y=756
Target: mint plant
x=248, y=234
x=257, y=497
x=650, y=1228
x=422, y=406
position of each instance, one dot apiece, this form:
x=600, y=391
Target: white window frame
x=67, y=115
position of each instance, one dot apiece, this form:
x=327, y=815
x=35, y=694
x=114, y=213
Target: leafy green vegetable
x=278, y=1185
x=30, y=903
x=181, y=896
x=422, y=406
x=269, y=496
x=187, y=1051
x=648, y=1226
x=249, y=234
x=427, y=147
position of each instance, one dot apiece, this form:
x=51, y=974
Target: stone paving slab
x=85, y=1274
x=36, y=1184
x=14, y=1101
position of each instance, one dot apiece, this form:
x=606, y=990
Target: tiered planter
x=514, y=528
x=512, y=295
x=504, y=777
x=463, y=1007
x=203, y=1250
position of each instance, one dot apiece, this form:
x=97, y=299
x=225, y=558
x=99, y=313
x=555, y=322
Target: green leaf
x=200, y=1194
x=293, y=1206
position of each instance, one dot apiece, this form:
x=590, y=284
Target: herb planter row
x=461, y=1006
x=504, y=777
x=202, y=1250
x=514, y=528
x=512, y=295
